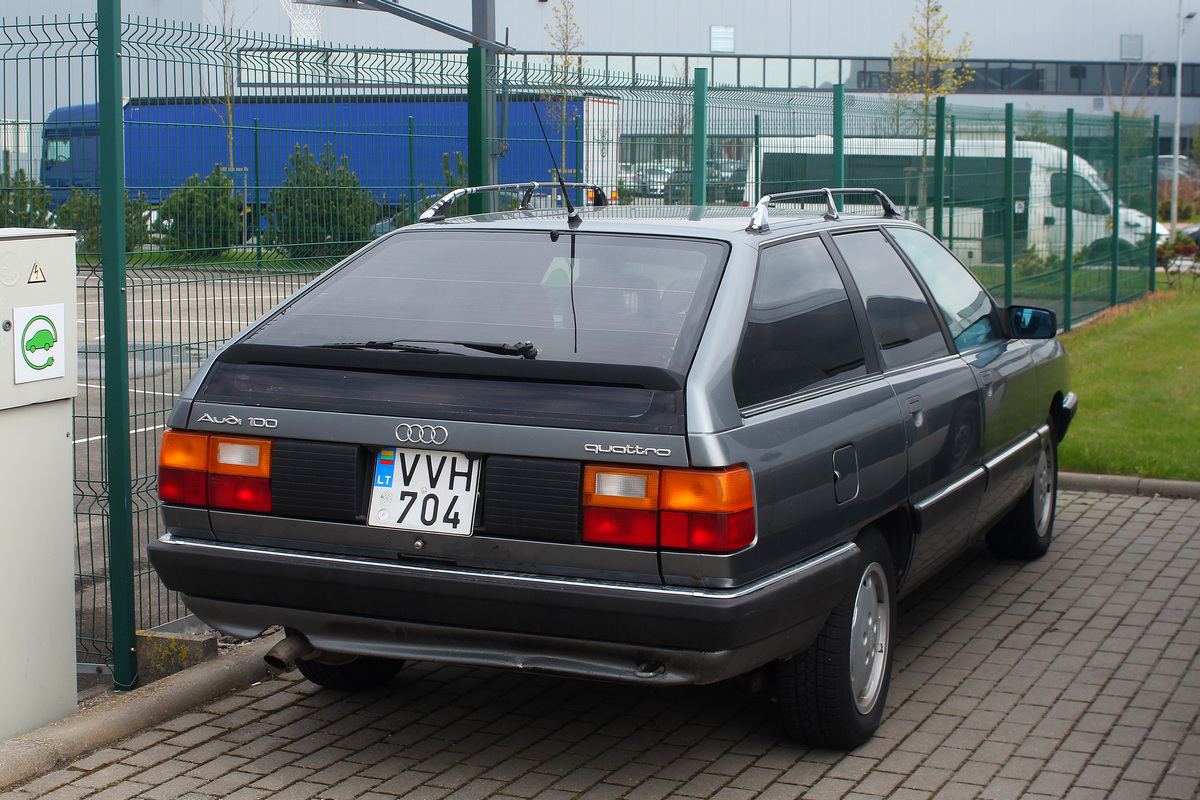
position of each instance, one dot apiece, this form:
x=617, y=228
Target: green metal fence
x=252, y=164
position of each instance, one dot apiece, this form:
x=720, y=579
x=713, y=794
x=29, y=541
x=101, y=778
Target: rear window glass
x=588, y=298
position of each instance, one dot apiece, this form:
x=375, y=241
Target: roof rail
x=760, y=224
x=434, y=212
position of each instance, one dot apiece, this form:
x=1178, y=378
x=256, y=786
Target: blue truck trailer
x=395, y=144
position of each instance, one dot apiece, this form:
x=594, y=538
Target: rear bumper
x=585, y=628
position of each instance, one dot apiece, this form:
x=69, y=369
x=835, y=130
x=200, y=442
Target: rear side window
x=800, y=332
x=903, y=323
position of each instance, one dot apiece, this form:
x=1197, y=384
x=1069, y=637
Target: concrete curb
x=25, y=757
x=1126, y=484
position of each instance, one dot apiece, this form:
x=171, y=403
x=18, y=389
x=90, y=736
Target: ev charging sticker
x=40, y=353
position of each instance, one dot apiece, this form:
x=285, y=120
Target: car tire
x=1025, y=532
x=834, y=694
x=364, y=672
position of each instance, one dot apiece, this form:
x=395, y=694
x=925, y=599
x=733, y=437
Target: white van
x=973, y=222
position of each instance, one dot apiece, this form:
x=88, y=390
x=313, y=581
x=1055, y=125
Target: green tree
x=202, y=218
x=565, y=40
x=24, y=203
x=81, y=213
x=924, y=67
x=320, y=209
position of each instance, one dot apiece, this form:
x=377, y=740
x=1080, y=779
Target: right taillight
x=709, y=511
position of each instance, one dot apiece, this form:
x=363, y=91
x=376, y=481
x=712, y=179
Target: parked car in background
x=625, y=444
x=1186, y=167
x=721, y=187
x=726, y=166
x=651, y=179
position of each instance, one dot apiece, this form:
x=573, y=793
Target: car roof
x=718, y=222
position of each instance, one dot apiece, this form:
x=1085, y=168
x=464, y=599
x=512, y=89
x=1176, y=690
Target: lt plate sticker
x=424, y=491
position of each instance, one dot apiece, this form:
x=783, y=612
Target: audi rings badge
x=421, y=434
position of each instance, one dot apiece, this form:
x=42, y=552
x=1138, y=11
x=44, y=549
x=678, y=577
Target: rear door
x=820, y=428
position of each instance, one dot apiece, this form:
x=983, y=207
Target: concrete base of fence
x=32, y=754
x=162, y=654
x=173, y=646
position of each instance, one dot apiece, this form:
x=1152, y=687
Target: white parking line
x=134, y=391
x=105, y=436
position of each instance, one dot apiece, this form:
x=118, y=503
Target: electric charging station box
x=38, y=348
x=38, y=380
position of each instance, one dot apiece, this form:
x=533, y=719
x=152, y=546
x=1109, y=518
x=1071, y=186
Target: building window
x=720, y=39
x=1131, y=47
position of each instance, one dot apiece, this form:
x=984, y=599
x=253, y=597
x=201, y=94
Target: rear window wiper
x=522, y=349
x=372, y=345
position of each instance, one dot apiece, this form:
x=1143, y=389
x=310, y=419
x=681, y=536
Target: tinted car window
x=626, y=300
x=800, y=332
x=903, y=323
x=965, y=306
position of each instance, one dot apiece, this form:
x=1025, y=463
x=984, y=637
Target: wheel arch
x=1059, y=417
x=897, y=530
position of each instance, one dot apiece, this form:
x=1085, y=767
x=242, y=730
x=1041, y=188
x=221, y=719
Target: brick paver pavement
x=1071, y=677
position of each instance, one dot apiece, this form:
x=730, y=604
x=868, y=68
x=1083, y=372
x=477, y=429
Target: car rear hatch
x=443, y=397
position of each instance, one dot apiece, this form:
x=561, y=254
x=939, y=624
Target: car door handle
x=988, y=378
x=916, y=410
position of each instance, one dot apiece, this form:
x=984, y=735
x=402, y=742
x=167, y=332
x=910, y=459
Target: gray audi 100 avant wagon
x=656, y=445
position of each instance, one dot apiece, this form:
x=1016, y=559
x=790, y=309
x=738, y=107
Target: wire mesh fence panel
x=252, y=164
x=592, y=126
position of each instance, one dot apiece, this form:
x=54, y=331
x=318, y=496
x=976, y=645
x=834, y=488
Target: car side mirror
x=1026, y=322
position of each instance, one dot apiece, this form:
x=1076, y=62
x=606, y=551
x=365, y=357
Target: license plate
x=424, y=491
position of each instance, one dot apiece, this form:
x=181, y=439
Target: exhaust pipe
x=291, y=647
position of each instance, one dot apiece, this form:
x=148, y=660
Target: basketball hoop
x=305, y=18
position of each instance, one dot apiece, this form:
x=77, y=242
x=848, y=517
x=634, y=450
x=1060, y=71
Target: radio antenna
x=573, y=219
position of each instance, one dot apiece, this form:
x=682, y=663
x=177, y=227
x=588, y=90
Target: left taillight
x=707, y=511
x=222, y=472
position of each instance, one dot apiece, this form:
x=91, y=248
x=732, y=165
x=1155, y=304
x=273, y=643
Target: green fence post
x=258, y=229
x=757, y=160
x=839, y=141
x=1152, y=212
x=939, y=166
x=950, y=175
x=700, y=137
x=1114, y=242
x=579, y=196
x=116, y=343
x=1010, y=201
x=477, y=127
x=411, y=213
x=1069, y=233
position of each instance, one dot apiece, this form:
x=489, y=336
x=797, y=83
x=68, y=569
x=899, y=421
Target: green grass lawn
x=1137, y=373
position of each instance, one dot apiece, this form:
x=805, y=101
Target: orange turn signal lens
x=717, y=492
x=184, y=451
